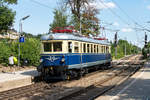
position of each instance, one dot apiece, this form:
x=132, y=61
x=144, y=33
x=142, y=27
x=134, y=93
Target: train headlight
x=63, y=59
x=41, y=60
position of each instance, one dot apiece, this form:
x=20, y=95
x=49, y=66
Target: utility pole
x=125, y=47
x=115, y=42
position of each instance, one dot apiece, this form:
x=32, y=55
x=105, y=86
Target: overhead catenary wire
x=108, y=29
x=129, y=17
x=113, y=12
x=41, y=4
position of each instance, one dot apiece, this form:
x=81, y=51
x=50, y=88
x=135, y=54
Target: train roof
x=66, y=36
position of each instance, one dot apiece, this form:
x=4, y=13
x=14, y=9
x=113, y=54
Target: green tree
x=6, y=18
x=85, y=14
x=60, y=19
x=8, y=2
x=130, y=49
x=76, y=6
x=90, y=22
x=6, y=15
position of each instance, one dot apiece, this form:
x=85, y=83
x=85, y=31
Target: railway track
x=29, y=90
x=99, y=88
x=19, y=92
x=42, y=89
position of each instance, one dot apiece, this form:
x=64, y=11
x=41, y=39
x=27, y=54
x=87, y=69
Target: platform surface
x=17, y=79
x=135, y=88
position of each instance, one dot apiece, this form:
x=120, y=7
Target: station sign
x=21, y=39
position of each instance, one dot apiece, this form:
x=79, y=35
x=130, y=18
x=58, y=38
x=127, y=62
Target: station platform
x=16, y=79
x=136, y=87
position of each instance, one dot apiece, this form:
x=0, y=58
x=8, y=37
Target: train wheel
x=66, y=77
x=80, y=74
x=96, y=67
x=86, y=71
x=74, y=74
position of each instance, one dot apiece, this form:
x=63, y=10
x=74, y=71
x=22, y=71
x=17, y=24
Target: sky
x=121, y=15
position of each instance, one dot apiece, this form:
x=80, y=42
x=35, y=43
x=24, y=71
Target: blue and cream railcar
x=69, y=55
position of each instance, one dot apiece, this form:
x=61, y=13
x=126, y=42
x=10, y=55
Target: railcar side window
x=94, y=48
x=97, y=48
x=47, y=47
x=84, y=48
x=57, y=46
x=102, y=49
x=107, y=49
x=81, y=48
x=70, y=47
x=88, y=48
x=91, y=48
x=76, y=47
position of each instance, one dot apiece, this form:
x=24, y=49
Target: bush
x=29, y=50
x=4, y=53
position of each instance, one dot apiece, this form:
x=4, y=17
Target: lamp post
x=20, y=31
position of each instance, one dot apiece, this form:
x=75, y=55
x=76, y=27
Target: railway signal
x=115, y=39
x=145, y=40
x=115, y=43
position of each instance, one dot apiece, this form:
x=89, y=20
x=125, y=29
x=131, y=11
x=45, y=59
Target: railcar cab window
x=47, y=47
x=52, y=46
x=57, y=46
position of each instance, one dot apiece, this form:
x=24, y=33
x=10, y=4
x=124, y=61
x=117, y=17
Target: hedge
x=29, y=50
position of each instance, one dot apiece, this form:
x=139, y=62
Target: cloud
x=148, y=7
x=104, y=5
x=116, y=24
x=126, y=30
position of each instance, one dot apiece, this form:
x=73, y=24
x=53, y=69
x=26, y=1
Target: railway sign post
x=21, y=38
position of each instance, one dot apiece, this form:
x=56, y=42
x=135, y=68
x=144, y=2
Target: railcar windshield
x=47, y=47
x=57, y=46
x=52, y=46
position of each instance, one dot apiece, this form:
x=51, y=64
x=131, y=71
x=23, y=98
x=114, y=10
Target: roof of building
x=67, y=36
